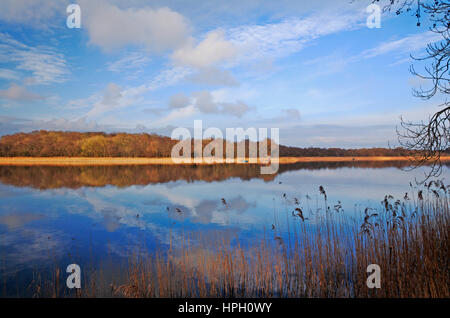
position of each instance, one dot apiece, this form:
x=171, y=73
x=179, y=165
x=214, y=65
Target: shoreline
x=106, y=161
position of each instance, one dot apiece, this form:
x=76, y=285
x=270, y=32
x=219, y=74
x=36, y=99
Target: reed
x=324, y=255
x=114, y=161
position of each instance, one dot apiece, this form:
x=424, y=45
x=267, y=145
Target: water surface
x=60, y=215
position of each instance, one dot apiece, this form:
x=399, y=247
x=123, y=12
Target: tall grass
x=324, y=255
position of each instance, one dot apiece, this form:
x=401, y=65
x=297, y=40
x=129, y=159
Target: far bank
x=89, y=161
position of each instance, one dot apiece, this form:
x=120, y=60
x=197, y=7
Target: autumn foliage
x=98, y=144
x=91, y=144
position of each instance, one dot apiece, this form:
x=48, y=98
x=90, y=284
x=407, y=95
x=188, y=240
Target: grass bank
x=105, y=161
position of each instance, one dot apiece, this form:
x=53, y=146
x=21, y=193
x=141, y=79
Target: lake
x=53, y=216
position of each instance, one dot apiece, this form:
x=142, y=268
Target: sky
x=313, y=69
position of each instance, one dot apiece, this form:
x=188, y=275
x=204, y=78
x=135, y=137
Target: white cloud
x=83, y=102
x=45, y=64
x=169, y=76
x=176, y=114
x=201, y=102
x=35, y=13
x=113, y=94
x=113, y=97
x=80, y=124
x=12, y=125
x=237, y=108
x=179, y=100
x=19, y=93
x=111, y=27
x=339, y=135
x=131, y=61
x=407, y=44
x=9, y=74
x=213, y=76
x=206, y=103
x=212, y=50
x=275, y=40
x=285, y=119
x=399, y=49
x=291, y=113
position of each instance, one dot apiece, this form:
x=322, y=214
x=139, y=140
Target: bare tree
x=429, y=139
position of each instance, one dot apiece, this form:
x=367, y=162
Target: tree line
x=74, y=177
x=97, y=144
x=340, y=152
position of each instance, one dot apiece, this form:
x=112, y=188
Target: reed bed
x=323, y=255
x=111, y=161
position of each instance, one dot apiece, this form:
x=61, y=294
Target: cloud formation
x=43, y=64
x=34, y=13
x=179, y=100
x=132, y=61
x=275, y=40
x=407, y=44
x=213, y=76
x=112, y=98
x=211, y=50
x=9, y=74
x=204, y=102
x=19, y=93
x=111, y=27
x=346, y=136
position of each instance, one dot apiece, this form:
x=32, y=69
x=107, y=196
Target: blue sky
x=311, y=68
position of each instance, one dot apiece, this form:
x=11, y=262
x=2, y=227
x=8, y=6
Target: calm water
x=60, y=215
